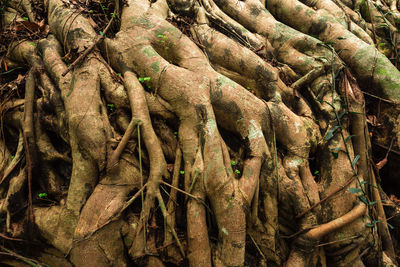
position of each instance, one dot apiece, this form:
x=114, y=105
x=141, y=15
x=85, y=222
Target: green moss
x=144, y=21
x=149, y=51
x=155, y=66
x=222, y=80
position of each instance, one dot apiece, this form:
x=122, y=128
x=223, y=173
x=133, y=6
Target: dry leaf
x=371, y=119
x=26, y=26
x=381, y=163
x=394, y=199
x=170, y=167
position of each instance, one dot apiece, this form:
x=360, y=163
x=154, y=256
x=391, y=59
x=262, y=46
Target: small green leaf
x=101, y=33
x=363, y=199
x=340, y=116
x=119, y=74
x=348, y=138
x=355, y=190
x=369, y=225
x=390, y=226
x=143, y=79
x=237, y=172
x=356, y=158
x=363, y=182
x=12, y=156
x=335, y=152
x=90, y=11
x=32, y=44
x=110, y=105
x=26, y=18
x=316, y=172
x=331, y=132
x=372, y=203
x=182, y=172
x=42, y=195
x=233, y=163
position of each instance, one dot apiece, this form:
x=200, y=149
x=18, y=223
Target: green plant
x=111, y=106
x=42, y=195
x=144, y=79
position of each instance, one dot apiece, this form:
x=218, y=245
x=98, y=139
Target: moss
x=222, y=80
x=385, y=76
x=144, y=21
x=149, y=51
x=155, y=66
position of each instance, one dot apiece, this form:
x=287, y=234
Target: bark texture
x=198, y=132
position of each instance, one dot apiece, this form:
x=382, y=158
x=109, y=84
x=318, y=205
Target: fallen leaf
x=394, y=199
x=371, y=119
x=170, y=167
x=381, y=163
x=26, y=26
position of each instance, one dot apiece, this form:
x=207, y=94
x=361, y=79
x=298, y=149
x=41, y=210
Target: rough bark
x=199, y=132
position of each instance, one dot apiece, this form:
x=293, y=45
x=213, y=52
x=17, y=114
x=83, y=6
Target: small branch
x=372, y=23
x=308, y=78
x=380, y=98
x=174, y=234
x=390, y=150
x=180, y=190
x=11, y=238
x=28, y=261
x=17, y=158
x=321, y=230
x=337, y=241
x=121, y=146
x=29, y=138
x=325, y=198
x=258, y=248
x=89, y=49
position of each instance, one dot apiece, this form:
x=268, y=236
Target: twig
x=308, y=78
x=390, y=150
x=325, y=198
x=372, y=23
x=11, y=238
x=180, y=190
x=171, y=227
x=337, y=241
x=89, y=49
x=29, y=261
x=257, y=247
x=29, y=138
x=17, y=158
x=121, y=146
x=380, y=98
